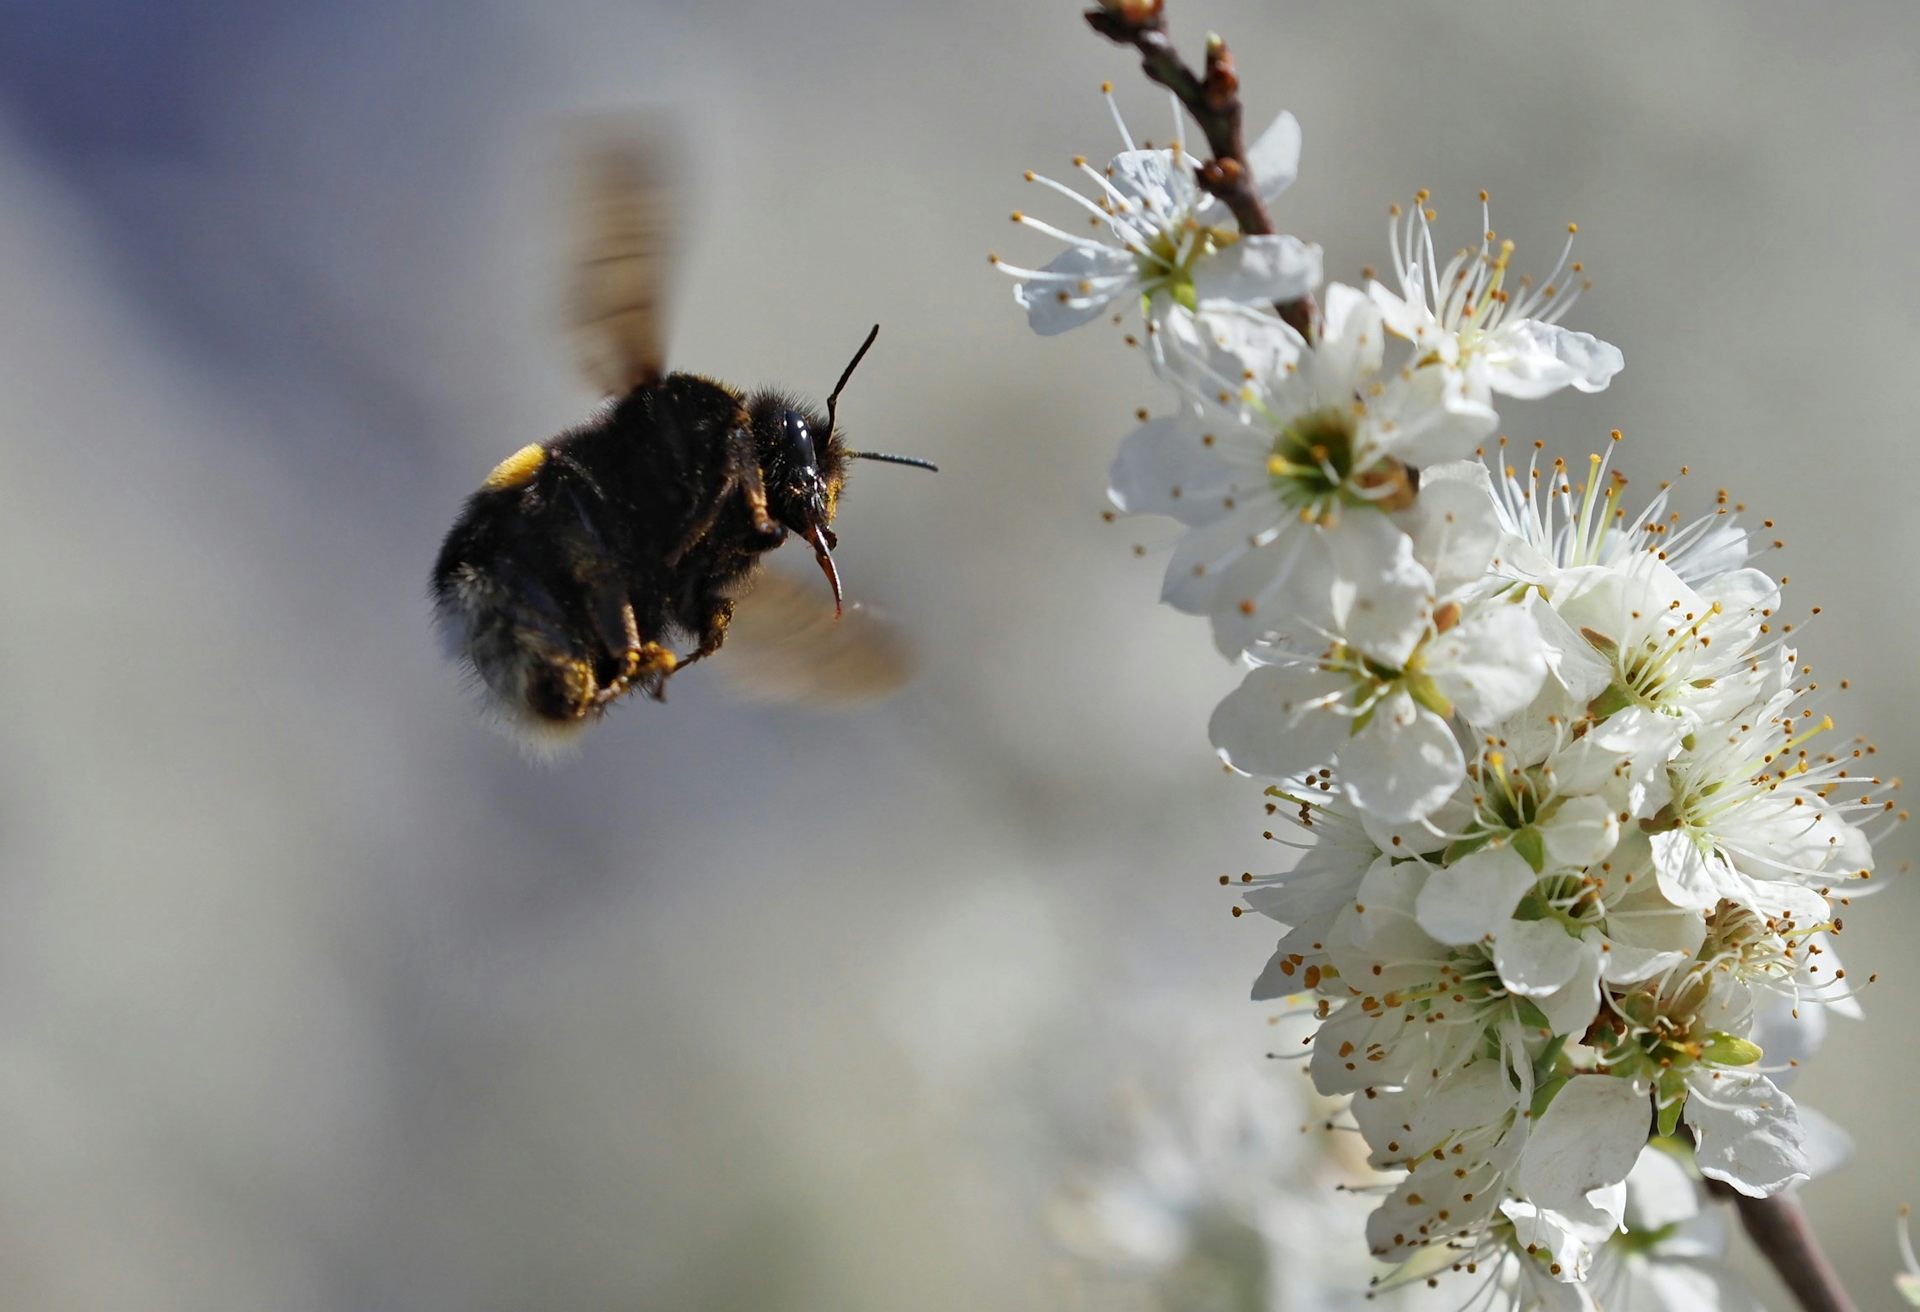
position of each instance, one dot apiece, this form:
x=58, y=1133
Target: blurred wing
x=620, y=200
x=785, y=646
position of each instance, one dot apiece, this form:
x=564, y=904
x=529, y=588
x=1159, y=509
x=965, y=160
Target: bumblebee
x=580, y=560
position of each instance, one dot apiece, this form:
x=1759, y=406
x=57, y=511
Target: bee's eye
x=799, y=440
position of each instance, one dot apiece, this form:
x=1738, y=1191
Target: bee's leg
x=718, y=613
x=636, y=663
x=642, y=664
x=770, y=534
x=646, y=666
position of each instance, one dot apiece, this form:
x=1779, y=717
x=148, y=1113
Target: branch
x=1779, y=1228
x=1214, y=101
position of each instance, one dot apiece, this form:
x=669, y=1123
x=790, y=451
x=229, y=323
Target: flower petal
x=1747, y=1132
x=1152, y=182
x=1581, y=833
x=1180, y=466
x=1475, y=896
x=1627, y=963
x=1689, y=877
x=1075, y=288
x=1536, y=957
x=1275, y=156
x=1380, y=596
x=1574, y=663
x=1210, y=354
x=1267, y=592
x=1276, y=723
x=1404, y=764
x=1410, y=317
x=1453, y=523
x=1427, y=417
x=1570, y=1008
x=1202, y=555
x=1351, y=342
x=1259, y=268
x=1589, y=1137
x=1531, y=359
x=1660, y=1192
x=1490, y=664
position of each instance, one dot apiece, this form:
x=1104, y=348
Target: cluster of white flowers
x=1570, y=824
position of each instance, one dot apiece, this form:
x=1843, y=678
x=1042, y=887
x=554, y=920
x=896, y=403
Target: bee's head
x=802, y=463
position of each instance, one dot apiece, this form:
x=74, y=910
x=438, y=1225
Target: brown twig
x=1213, y=98
x=1779, y=1228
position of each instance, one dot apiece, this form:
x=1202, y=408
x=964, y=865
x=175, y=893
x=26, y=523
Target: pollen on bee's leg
x=652, y=664
x=652, y=659
x=646, y=666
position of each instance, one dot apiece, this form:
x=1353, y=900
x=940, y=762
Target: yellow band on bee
x=517, y=469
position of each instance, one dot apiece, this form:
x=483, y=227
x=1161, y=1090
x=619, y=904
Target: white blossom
x=1293, y=510
x=1162, y=242
x=1378, y=702
x=1549, y=526
x=1498, y=335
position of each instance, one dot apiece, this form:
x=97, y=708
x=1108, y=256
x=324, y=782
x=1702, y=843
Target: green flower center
x=1312, y=460
x=1167, y=263
x=1571, y=899
x=1512, y=805
x=1374, y=680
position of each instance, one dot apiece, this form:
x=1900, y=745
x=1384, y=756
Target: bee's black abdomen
x=500, y=610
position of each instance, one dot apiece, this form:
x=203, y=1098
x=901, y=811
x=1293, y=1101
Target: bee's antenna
x=893, y=459
x=847, y=373
x=832, y=401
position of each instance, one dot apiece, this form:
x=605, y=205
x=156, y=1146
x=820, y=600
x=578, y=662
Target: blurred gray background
x=313, y=996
